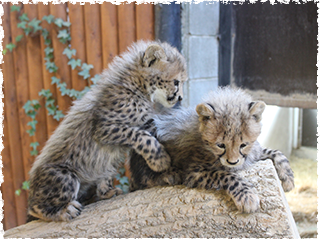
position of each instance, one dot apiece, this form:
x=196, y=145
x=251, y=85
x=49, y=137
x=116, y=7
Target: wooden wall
x=98, y=32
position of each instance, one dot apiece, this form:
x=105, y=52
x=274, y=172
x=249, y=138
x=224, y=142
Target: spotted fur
x=210, y=145
x=85, y=150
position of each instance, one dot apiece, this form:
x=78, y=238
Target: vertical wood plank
x=22, y=84
x=109, y=32
x=127, y=27
x=145, y=21
x=93, y=37
x=44, y=10
x=7, y=187
x=77, y=31
x=60, y=11
x=12, y=113
x=34, y=58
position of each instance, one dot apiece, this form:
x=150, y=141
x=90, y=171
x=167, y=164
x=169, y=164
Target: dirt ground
x=303, y=199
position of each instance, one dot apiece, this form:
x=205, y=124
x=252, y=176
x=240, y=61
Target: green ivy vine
x=33, y=28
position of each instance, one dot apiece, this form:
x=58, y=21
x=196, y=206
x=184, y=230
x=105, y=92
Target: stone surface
x=204, y=18
x=199, y=88
x=203, y=57
x=176, y=212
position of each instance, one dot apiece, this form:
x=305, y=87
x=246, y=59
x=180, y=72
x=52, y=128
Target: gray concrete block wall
x=200, y=46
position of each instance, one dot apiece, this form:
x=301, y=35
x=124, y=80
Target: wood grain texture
x=145, y=21
x=11, y=68
x=60, y=11
x=44, y=10
x=109, y=32
x=77, y=31
x=21, y=77
x=34, y=59
x=7, y=188
x=93, y=37
x=127, y=26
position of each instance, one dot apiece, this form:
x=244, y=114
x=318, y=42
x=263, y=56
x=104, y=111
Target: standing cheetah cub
x=86, y=148
x=210, y=145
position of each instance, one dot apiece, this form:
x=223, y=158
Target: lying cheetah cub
x=208, y=146
x=86, y=148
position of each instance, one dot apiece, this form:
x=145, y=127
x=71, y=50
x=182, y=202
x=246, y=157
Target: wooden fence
x=98, y=33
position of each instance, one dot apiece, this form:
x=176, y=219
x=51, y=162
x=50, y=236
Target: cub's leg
x=242, y=192
x=106, y=190
x=53, y=193
x=143, y=177
x=140, y=140
x=282, y=167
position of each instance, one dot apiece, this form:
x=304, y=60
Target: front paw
x=287, y=179
x=160, y=161
x=247, y=201
x=288, y=184
x=172, y=178
x=108, y=193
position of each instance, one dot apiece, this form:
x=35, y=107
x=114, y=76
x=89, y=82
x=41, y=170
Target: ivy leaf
x=86, y=66
x=49, y=101
x=64, y=36
x=51, y=67
x=85, y=74
x=55, y=80
x=31, y=132
x=4, y=51
x=34, y=145
x=69, y=52
x=25, y=185
x=15, y=8
x=32, y=124
x=22, y=25
x=124, y=181
x=48, y=50
x=74, y=63
x=45, y=93
x=34, y=23
x=96, y=78
x=45, y=33
x=51, y=110
x=27, y=31
x=58, y=115
x=74, y=93
x=24, y=17
x=122, y=170
x=18, y=38
x=47, y=41
x=10, y=46
x=34, y=153
x=28, y=106
x=48, y=18
x=58, y=22
x=18, y=192
x=85, y=70
x=66, y=24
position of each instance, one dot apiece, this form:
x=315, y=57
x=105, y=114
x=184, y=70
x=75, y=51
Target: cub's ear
x=152, y=54
x=205, y=110
x=256, y=109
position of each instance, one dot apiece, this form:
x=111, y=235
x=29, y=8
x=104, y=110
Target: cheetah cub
x=86, y=148
x=210, y=145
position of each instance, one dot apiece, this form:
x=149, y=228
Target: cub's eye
x=176, y=82
x=243, y=145
x=221, y=145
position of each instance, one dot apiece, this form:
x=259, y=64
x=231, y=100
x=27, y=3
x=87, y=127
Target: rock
x=177, y=212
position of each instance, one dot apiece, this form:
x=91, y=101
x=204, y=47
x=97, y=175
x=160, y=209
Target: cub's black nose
x=179, y=98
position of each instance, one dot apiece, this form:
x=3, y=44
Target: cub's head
x=229, y=125
x=164, y=72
